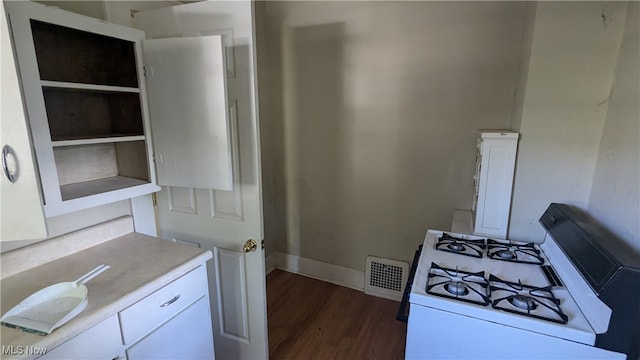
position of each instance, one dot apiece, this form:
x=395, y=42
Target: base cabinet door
x=103, y=341
x=188, y=335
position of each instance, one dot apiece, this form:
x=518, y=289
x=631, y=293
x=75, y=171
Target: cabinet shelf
x=86, y=188
x=98, y=140
x=74, y=114
x=68, y=54
x=87, y=87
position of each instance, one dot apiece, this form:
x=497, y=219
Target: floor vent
x=385, y=278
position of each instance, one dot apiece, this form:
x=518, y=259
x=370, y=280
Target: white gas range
x=474, y=298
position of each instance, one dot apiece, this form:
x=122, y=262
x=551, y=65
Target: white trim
x=319, y=270
x=270, y=262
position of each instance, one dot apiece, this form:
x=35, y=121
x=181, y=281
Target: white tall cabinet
x=493, y=181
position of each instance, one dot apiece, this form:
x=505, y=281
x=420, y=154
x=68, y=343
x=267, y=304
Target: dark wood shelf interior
x=66, y=54
x=88, y=114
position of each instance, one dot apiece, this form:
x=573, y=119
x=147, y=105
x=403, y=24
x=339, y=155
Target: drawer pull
x=175, y=298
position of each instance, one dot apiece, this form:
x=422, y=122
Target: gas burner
x=456, y=246
x=514, y=252
x=461, y=246
x=456, y=288
x=517, y=298
x=523, y=302
x=505, y=255
x=457, y=284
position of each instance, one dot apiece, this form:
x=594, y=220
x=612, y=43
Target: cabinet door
x=186, y=336
x=102, y=341
x=22, y=213
x=188, y=108
x=496, y=168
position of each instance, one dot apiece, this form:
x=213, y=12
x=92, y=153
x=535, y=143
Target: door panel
x=224, y=220
x=182, y=200
x=234, y=322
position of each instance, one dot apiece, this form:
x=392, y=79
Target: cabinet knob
x=10, y=164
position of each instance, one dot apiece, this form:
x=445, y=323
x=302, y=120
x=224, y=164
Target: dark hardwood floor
x=312, y=319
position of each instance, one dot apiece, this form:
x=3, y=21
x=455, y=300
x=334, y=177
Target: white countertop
x=140, y=264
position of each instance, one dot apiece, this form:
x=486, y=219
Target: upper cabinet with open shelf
x=85, y=98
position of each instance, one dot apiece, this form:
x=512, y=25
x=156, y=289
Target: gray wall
x=573, y=56
x=615, y=193
x=372, y=113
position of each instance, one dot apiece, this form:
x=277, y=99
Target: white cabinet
x=162, y=305
x=171, y=341
x=101, y=341
x=86, y=99
x=20, y=200
x=174, y=322
x=493, y=181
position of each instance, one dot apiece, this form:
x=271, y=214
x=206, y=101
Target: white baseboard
x=270, y=262
x=334, y=274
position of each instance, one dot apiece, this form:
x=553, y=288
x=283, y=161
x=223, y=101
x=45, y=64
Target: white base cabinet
x=493, y=181
x=102, y=341
x=173, y=322
x=186, y=336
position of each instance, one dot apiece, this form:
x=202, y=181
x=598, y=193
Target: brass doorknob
x=250, y=245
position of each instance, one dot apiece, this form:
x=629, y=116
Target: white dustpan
x=51, y=307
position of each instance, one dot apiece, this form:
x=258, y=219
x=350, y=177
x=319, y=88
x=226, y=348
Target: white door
x=223, y=220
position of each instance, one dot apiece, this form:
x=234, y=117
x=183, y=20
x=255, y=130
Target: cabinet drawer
x=155, y=309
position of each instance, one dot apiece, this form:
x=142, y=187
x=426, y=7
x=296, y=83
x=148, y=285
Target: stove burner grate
x=517, y=298
x=518, y=253
x=458, y=285
x=456, y=245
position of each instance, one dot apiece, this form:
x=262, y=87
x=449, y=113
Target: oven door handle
x=402, y=310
